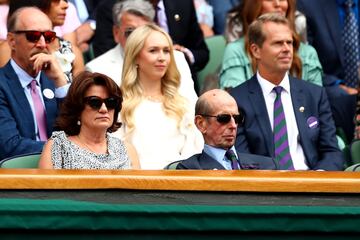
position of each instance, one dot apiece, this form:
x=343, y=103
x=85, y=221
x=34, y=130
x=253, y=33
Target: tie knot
x=33, y=85
x=278, y=90
x=230, y=154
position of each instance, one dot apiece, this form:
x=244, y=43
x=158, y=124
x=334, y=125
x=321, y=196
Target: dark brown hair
x=247, y=12
x=73, y=104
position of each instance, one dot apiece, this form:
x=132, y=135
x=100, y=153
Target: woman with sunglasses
x=238, y=66
x=66, y=53
x=157, y=120
x=87, y=116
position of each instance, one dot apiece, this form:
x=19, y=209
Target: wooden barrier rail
x=188, y=180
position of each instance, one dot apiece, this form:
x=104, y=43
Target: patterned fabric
x=232, y=157
x=282, y=150
x=67, y=155
x=65, y=57
x=351, y=46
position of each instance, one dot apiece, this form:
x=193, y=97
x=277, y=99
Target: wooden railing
x=190, y=180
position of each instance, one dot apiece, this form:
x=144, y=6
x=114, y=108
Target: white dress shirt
x=296, y=151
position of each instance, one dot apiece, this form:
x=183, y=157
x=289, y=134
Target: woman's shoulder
x=308, y=53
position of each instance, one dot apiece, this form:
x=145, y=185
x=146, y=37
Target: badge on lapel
x=312, y=122
x=48, y=93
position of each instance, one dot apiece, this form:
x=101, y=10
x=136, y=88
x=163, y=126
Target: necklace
x=87, y=146
x=155, y=98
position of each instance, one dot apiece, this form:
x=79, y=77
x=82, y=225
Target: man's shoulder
x=109, y=56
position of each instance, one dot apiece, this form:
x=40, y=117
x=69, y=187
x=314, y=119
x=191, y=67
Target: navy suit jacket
x=246, y=161
x=16, y=119
x=324, y=33
x=319, y=143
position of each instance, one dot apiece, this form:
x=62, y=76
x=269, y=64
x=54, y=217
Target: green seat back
x=22, y=161
x=355, y=151
x=353, y=168
x=216, y=45
x=172, y=166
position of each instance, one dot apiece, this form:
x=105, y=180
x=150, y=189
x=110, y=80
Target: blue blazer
x=246, y=161
x=324, y=34
x=319, y=143
x=16, y=119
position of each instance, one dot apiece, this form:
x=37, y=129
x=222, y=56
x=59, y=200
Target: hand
x=84, y=34
x=50, y=66
x=349, y=90
x=188, y=54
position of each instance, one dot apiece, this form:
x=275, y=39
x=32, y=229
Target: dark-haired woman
x=88, y=114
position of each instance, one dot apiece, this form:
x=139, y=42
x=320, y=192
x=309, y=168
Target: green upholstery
x=21, y=161
x=355, y=151
x=353, y=168
x=172, y=166
x=216, y=45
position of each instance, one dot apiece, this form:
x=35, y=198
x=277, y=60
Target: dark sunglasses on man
x=226, y=118
x=34, y=36
x=96, y=102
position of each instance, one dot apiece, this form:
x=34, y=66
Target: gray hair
x=139, y=8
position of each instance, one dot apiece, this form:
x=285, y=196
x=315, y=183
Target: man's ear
x=255, y=51
x=11, y=40
x=201, y=123
x=116, y=32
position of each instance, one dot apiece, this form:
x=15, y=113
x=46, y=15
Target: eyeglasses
x=128, y=31
x=34, y=36
x=96, y=102
x=226, y=118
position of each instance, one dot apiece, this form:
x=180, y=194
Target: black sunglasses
x=34, y=36
x=226, y=118
x=128, y=31
x=96, y=102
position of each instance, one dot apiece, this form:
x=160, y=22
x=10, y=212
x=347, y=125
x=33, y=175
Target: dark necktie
x=232, y=157
x=350, y=38
x=39, y=111
x=281, y=143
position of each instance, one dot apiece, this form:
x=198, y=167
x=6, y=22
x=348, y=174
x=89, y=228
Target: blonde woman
x=157, y=120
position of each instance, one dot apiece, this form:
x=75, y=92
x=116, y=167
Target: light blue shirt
x=25, y=80
x=219, y=155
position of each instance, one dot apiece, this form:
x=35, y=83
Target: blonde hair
x=174, y=105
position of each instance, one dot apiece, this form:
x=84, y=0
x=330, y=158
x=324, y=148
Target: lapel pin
x=177, y=17
x=312, y=122
x=301, y=109
x=48, y=93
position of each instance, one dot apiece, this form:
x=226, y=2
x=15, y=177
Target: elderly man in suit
x=128, y=15
x=217, y=117
x=285, y=118
x=31, y=84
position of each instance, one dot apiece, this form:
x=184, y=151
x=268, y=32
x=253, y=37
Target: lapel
x=50, y=103
x=171, y=11
x=17, y=91
x=258, y=105
x=334, y=26
x=208, y=163
x=299, y=101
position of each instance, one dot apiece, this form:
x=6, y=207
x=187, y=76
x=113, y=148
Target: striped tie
x=232, y=157
x=282, y=150
x=350, y=38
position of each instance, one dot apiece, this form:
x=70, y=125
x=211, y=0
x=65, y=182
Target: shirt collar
x=217, y=153
x=24, y=77
x=267, y=87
